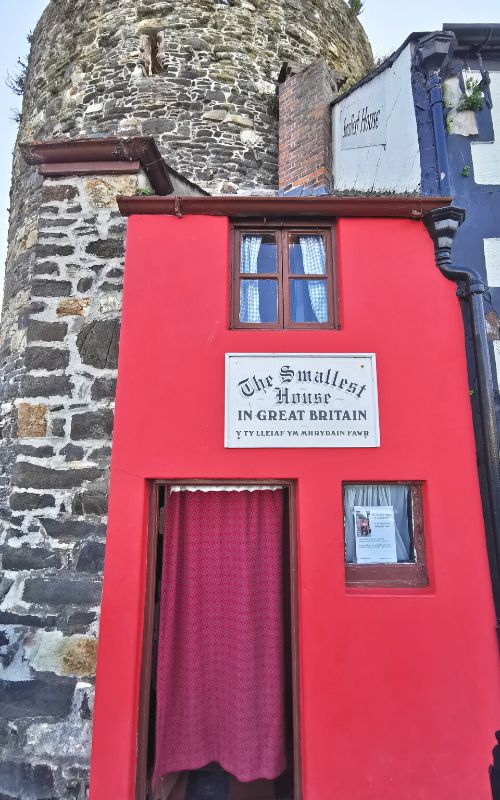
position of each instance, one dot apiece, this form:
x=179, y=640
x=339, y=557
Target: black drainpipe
x=442, y=224
x=434, y=52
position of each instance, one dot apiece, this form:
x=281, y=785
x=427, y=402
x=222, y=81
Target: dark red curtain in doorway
x=220, y=677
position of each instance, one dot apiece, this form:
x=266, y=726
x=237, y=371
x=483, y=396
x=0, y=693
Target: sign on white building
x=375, y=143
x=363, y=120
x=301, y=400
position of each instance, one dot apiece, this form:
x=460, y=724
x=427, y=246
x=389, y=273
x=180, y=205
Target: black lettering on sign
x=366, y=120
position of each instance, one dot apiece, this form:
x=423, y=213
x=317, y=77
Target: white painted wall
x=496, y=351
x=486, y=155
x=388, y=158
x=492, y=260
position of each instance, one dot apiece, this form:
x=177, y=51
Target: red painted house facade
x=394, y=686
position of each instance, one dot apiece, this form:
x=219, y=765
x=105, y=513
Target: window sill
x=391, y=576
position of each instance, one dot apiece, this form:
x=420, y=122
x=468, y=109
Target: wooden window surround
x=404, y=574
x=285, y=278
x=156, y=488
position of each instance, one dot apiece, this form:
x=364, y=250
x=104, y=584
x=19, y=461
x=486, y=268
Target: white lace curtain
x=249, y=300
x=378, y=495
x=313, y=260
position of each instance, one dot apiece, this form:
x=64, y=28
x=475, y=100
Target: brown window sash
x=283, y=276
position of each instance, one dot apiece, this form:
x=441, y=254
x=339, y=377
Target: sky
x=387, y=23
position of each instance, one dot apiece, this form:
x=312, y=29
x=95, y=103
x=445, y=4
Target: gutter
x=276, y=206
x=442, y=225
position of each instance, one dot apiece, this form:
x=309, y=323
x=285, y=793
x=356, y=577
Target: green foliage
x=17, y=82
x=465, y=171
x=472, y=99
x=144, y=192
x=355, y=7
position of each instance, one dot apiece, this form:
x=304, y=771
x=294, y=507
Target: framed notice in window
x=384, y=534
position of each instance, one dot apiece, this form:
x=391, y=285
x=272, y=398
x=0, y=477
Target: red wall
x=399, y=688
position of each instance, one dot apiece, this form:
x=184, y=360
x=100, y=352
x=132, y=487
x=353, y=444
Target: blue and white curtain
x=378, y=495
x=313, y=259
x=249, y=290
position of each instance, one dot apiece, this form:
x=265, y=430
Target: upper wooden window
x=283, y=277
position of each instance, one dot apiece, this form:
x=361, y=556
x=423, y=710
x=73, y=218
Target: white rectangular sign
x=301, y=400
x=375, y=532
x=363, y=121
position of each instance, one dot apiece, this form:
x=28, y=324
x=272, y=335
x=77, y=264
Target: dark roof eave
x=95, y=152
x=239, y=206
x=475, y=37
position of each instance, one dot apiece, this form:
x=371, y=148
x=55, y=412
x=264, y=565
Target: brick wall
x=305, y=129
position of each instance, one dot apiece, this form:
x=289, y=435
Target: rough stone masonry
x=199, y=76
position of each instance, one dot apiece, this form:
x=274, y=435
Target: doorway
x=219, y=684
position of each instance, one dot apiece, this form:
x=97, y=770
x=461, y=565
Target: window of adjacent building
x=384, y=539
x=283, y=278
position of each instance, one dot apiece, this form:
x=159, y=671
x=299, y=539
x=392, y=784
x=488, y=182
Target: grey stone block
x=46, y=451
x=72, y=528
x=47, y=621
x=45, y=385
x=46, y=331
x=79, y=621
x=5, y=584
x=62, y=592
x=103, y=388
x=46, y=268
x=48, y=358
x=101, y=453
x=53, y=250
x=36, y=307
x=95, y=502
x=34, y=476
x=58, y=193
x=98, y=343
x=26, y=501
x=27, y=558
x=23, y=781
x=58, y=427
x=92, y=425
x=106, y=248
x=84, y=284
x=107, y=286
x=91, y=558
x=50, y=288
x=72, y=452
x=36, y=698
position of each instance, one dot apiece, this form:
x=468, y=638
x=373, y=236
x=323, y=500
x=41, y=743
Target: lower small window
x=384, y=534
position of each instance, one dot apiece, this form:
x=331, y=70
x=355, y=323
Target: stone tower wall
x=199, y=76
x=211, y=100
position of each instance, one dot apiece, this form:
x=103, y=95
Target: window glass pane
x=378, y=524
x=258, y=301
x=308, y=301
x=258, y=253
x=307, y=254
